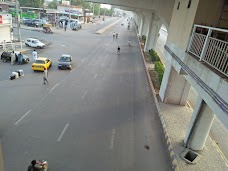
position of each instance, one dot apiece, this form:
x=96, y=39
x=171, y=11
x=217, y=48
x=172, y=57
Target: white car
x=35, y=43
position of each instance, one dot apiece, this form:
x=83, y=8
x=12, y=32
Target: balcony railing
x=206, y=43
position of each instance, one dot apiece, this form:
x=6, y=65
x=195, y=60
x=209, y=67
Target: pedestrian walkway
x=218, y=132
x=175, y=120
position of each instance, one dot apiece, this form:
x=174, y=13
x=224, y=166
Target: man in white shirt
x=45, y=75
x=34, y=55
x=12, y=55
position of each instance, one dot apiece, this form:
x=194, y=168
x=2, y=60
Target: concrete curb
x=107, y=27
x=168, y=141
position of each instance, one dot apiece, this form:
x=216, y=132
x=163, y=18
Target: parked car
x=40, y=63
x=25, y=19
x=75, y=26
x=37, y=23
x=77, y=22
x=65, y=62
x=35, y=43
x=28, y=22
x=6, y=57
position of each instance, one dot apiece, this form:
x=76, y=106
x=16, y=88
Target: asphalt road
x=97, y=117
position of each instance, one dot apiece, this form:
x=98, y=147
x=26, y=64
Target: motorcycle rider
x=32, y=167
x=129, y=42
x=118, y=50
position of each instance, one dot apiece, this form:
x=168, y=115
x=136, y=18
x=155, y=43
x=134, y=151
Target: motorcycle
x=42, y=164
x=129, y=43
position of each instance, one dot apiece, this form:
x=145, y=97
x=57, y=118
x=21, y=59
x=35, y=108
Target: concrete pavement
x=99, y=116
x=215, y=152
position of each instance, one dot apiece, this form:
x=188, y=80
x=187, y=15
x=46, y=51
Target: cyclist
x=118, y=50
x=116, y=35
x=129, y=43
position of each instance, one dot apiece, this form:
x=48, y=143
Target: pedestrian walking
x=45, y=76
x=12, y=56
x=19, y=58
x=114, y=34
x=34, y=55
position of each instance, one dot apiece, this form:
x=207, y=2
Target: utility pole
x=70, y=10
x=93, y=9
x=99, y=9
x=18, y=20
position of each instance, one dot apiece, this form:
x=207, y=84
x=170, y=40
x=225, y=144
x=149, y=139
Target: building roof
x=72, y=6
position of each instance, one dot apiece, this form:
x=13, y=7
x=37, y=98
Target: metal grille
x=197, y=43
x=209, y=48
x=216, y=55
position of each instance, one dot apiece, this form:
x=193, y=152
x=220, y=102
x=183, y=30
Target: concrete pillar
x=153, y=32
x=142, y=24
x=174, y=88
x=1, y=158
x=199, y=126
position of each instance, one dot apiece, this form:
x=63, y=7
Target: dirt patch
x=152, y=72
x=154, y=78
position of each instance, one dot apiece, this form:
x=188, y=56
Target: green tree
x=31, y=3
x=53, y=4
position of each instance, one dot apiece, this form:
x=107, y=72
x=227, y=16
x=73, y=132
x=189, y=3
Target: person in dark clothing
x=33, y=167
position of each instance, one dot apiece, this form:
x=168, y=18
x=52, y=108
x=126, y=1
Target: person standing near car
x=20, y=57
x=45, y=76
x=12, y=56
x=34, y=55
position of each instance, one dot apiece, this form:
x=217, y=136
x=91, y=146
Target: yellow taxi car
x=40, y=63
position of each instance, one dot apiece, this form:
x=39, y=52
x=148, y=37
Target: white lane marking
x=83, y=60
x=112, y=138
x=54, y=87
x=72, y=70
x=79, y=65
x=95, y=76
x=84, y=95
x=63, y=132
x=63, y=45
x=19, y=120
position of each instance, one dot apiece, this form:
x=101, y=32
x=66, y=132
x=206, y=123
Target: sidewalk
x=175, y=120
x=218, y=132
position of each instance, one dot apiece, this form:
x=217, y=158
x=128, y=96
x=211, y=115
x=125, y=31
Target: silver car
x=65, y=62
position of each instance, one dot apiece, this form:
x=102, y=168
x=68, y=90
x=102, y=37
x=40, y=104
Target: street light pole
x=93, y=9
x=70, y=10
x=18, y=20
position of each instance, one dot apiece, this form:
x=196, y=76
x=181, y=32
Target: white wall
x=5, y=33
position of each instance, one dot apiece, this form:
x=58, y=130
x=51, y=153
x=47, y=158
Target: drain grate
x=190, y=156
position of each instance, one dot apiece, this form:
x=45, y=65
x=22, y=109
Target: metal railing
x=17, y=46
x=205, y=45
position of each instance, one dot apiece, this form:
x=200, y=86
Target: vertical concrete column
x=152, y=35
x=142, y=24
x=174, y=88
x=1, y=158
x=200, y=125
